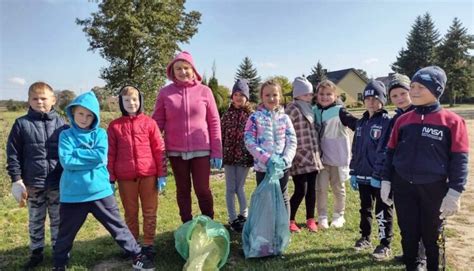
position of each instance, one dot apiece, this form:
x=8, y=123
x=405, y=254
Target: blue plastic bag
x=266, y=232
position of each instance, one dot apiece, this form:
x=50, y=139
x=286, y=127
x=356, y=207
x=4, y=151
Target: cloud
x=370, y=61
x=267, y=65
x=17, y=81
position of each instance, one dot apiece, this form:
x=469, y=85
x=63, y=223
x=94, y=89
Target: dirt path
x=460, y=247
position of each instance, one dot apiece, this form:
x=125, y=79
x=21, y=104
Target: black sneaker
x=125, y=255
x=59, y=268
x=362, y=244
x=236, y=225
x=382, y=253
x=35, y=259
x=141, y=262
x=149, y=251
x=242, y=218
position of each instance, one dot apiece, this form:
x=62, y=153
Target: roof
x=336, y=76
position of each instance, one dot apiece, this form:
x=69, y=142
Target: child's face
x=131, y=103
x=400, y=98
x=307, y=97
x=238, y=99
x=372, y=105
x=42, y=100
x=83, y=117
x=271, y=97
x=326, y=97
x=420, y=95
x=183, y=71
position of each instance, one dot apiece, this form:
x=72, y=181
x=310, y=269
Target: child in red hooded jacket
x=135, y=160
x=186, y=112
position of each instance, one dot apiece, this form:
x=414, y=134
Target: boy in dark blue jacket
x=426, y=167
x=33, y=166
x=366, y=164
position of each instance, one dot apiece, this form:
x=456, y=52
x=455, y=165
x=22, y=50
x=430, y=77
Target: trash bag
x=266, y=231
x=203, y=243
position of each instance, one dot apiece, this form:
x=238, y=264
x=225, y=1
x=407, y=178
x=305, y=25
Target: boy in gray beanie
x=427, y=154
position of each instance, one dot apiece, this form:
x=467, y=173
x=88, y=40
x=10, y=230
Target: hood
x=184, y=56
x=87, y=100
x=140, y=97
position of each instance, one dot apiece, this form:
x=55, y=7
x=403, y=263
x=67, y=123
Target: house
x=349, y=82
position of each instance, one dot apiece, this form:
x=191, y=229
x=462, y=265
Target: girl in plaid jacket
x=307, y=162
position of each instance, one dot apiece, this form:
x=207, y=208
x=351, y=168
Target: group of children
x=70, y=171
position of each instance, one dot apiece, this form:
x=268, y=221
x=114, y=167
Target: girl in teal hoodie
x=84, y=186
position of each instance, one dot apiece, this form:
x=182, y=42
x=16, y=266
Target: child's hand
x=161, y=184
x=19, y=192
x=216, y=163
x=354, y=184
x=385, y=188
x=375, y=182
x=450, y=204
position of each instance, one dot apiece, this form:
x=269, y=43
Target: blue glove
x=375, y=182
x=354, y=184
x=216, y=163
x=112, y=185
x=161, y=184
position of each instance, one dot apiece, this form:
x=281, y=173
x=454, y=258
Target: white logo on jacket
x=432, y=133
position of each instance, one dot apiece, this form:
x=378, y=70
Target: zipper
x=133, y=144
x=46, y=146
x=416, y=149
x=186, y=123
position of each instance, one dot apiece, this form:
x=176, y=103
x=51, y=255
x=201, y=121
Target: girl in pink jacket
x=186, y=112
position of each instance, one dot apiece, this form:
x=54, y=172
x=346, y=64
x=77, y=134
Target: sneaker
x=35, y=259
x=362, y=244
x=242, y=218
x=59, y=268
x=338, y=222
x=294, y=227
x=141, y=262
x=236, y=225
x=311, y=224
x=323, y=223
x=149, y=251
x=382, y=253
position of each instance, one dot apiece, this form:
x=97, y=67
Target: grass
x=95, y=249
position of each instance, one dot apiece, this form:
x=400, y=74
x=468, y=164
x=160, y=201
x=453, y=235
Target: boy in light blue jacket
x=84, y=185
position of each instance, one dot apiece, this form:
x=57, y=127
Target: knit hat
x=301, y=86
x=242, y=86
x=433, y=78
x=398, y=80
x=376, y=89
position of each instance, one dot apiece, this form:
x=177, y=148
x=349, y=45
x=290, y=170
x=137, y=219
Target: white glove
x=385, y=192
x=19, y=191
x=451, y=204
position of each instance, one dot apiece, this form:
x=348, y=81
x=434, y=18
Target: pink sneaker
x=311, y=224
x=293, y=226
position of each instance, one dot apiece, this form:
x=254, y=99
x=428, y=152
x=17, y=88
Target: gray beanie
x=301, y=86
x=398, y=80
x=242, y=86
x=376, y=89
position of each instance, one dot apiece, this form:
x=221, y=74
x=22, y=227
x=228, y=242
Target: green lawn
x=324, y=250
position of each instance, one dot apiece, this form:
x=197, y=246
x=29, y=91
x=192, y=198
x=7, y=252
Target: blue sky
x=39, y=39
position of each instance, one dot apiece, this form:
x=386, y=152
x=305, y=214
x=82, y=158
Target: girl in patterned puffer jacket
x=270, y=137
x=237, y=159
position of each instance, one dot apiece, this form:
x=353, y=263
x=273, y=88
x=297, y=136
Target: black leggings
x=283, y=185
x=305, y=187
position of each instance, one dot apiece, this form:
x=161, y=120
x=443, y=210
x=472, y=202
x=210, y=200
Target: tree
x=64, y=98
x=247, y=71
x=453, y=56
x=318, y=74
x=221, y=94
x=421, y=43
x=101, y=93
x=363, y=74
x=138, y=38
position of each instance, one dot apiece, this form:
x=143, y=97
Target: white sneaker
x=338, y=222
x=323, y=223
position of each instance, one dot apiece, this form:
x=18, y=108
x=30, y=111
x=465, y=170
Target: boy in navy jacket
x=33, y=166
x=366, y=165
x=426, y=167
